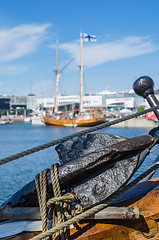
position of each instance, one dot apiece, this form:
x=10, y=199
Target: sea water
x=18, y=137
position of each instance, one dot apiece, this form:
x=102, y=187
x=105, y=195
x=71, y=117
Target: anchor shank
x=153, y=102
x=75, y=170
x=144, y=86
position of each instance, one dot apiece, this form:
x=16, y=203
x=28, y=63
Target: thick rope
x=60, y=140
x=68, y=197
x=98, y=207
x=41, y=186
x=59, y=206
x=58, y=212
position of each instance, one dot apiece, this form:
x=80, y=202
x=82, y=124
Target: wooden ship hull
x=113, y=226
x=73, y=122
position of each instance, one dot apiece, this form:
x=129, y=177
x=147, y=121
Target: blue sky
x=127, y=46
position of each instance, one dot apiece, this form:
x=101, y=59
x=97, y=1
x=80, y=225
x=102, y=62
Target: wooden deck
x=145, y=196
x=146, y=227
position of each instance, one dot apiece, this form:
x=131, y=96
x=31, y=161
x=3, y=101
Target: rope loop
x=75, y=210
x=57, y=209
x=66, y=198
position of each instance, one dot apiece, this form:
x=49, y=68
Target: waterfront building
x=31, y=102
x=48, y=103
x=111, y=100
x=18, y=105
x=13, y=105
x=116, y=101
x=4, y=105
x=65, y=102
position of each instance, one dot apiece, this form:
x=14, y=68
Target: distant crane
x=59, y=72
x=66, y=65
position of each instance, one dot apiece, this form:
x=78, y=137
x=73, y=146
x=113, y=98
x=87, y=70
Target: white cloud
x=21, y=40
x=98, y=53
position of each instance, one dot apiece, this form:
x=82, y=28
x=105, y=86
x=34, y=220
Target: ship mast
x=56, y=79
x=81, y=74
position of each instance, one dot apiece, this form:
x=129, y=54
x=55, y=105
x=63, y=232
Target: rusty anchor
x=103, y=164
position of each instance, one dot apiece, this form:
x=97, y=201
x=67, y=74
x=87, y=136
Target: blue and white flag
x=89, y=38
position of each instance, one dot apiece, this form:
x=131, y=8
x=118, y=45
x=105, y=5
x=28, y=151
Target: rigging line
x=60, y=140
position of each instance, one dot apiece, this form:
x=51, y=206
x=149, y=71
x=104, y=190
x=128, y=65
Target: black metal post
x=144, y=86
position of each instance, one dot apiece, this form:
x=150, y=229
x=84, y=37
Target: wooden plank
x=20, y=213
x=21, y=236
x=26, y=213
x=117, y=213
x=146, y=227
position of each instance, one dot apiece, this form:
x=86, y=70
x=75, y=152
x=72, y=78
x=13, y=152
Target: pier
x=137, y=123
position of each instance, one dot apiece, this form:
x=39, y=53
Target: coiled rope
x=41, y=187
x=97, y=208
x=57, y=209
x=60, y=140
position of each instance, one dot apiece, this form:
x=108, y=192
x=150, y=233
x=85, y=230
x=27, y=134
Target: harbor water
x=18, y=137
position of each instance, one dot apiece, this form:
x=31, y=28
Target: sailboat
x=83, y=118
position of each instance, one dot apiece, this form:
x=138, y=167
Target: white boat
x=2, y=122
x=37, y=120
x=5, y=121
x=27, y=119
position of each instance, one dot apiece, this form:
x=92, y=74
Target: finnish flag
x=89, y=38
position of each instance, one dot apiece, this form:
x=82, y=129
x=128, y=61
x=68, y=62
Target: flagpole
x=81, y=74
x=56, y=79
